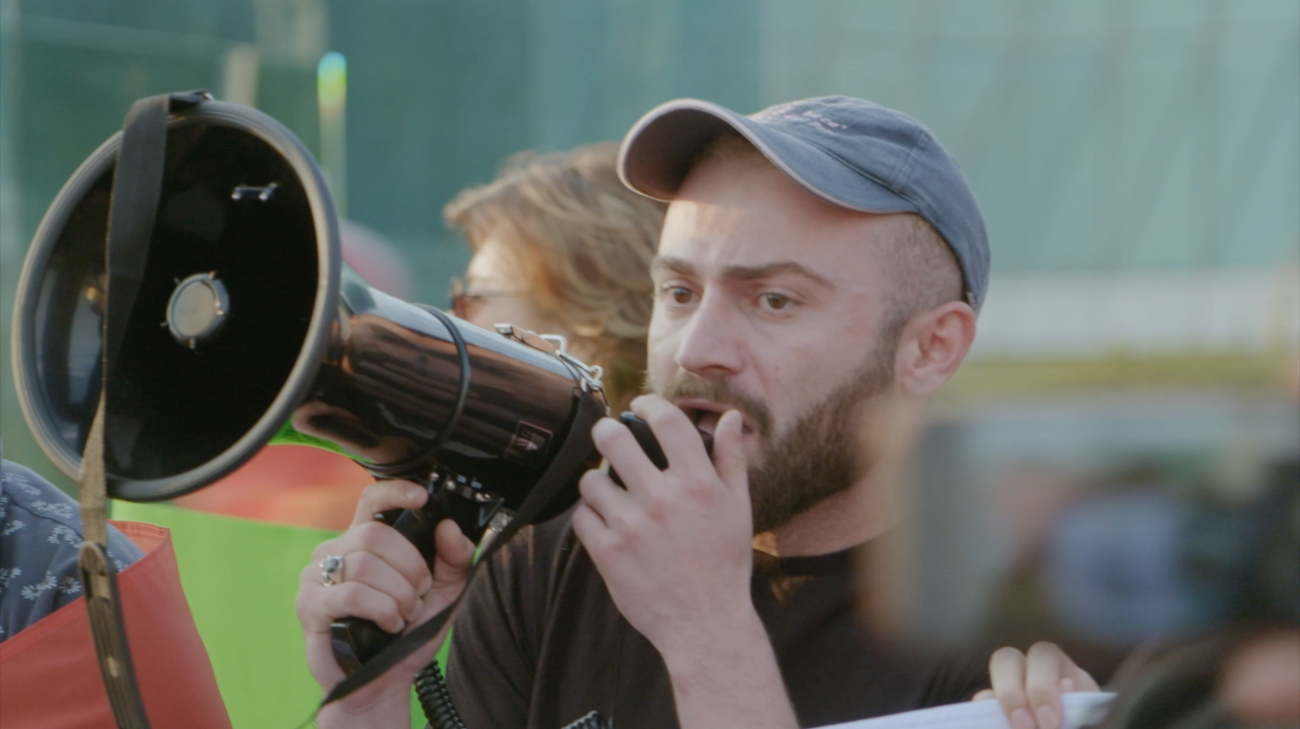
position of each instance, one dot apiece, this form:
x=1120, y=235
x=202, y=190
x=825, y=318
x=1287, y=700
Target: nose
x=710, y=344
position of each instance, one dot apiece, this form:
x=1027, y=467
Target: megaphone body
x=247, y=328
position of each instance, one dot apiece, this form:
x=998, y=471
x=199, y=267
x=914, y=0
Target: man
x=816, y=282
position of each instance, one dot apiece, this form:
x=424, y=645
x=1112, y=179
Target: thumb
x=729, y=454
x=454, y=553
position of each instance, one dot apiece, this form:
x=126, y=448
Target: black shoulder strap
x=137, y=185
x=569, y=460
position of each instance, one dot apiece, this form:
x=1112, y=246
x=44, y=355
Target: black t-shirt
x=538, y=643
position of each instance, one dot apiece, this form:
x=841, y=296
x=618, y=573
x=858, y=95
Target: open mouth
x=705, y=415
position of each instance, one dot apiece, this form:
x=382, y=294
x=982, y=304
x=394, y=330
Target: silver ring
x=329, y=567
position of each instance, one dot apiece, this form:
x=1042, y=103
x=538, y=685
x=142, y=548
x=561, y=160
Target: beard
x=817, y=456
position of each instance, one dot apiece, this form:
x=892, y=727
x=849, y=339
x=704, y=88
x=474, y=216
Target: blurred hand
x=383, y=579
x=1260, y=682
x=1029, y=686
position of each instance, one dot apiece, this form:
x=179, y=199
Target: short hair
x=584, y=242
x=923, y=268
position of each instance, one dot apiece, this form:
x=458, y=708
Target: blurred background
x=1134, y=392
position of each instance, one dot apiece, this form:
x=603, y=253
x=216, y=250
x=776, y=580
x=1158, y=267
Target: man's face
x=772, y=301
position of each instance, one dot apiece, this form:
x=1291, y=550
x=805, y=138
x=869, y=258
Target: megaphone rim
x=300, y=377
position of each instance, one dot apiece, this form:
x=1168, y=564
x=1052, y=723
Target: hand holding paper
x=1079, y=710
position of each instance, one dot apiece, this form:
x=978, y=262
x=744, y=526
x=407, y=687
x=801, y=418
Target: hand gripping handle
x=356, y=640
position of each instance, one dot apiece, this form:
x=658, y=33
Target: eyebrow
x=743, y=273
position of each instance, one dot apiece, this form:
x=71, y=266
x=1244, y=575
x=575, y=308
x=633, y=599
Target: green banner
x=241, y=577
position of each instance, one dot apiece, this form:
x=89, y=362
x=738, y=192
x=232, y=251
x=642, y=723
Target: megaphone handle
x=356, y=640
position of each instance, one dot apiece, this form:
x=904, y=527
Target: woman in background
x=561, y=246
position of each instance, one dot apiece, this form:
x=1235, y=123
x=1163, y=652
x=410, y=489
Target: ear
x=932, y=347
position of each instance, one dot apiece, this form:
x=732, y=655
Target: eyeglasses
x=463, y=299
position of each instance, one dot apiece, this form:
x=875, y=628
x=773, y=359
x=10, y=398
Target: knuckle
x=589, y=483
x=698, y=487
x=369, y=535
x=322, y=549
x=407, y=603
x=358, y=564
x=351, y=595
x=627, y=529
x=374, y=492
x=661, y=417
x=656, y=508
x=606, y=432
x=1040, y=694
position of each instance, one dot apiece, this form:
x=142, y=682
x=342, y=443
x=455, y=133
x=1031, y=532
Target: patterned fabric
x=40, y=536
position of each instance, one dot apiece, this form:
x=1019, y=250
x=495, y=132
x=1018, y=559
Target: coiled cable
x=431, y=690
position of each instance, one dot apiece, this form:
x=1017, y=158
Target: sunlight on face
x=500, y=291
x=762, y=284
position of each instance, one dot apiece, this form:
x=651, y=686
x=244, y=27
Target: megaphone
x=247, y=327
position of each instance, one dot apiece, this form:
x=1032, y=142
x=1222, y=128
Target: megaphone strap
x=137, y=186
x=569, y=459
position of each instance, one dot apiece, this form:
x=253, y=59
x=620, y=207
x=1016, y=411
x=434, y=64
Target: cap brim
x=661, y=148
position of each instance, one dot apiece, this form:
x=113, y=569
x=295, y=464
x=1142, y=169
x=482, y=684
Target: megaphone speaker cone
x=243, y=268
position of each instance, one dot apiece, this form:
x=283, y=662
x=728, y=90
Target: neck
x=847, y=519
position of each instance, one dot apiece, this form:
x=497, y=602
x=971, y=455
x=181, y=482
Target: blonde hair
x=584, y=243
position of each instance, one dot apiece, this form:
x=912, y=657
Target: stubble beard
x=819, y=455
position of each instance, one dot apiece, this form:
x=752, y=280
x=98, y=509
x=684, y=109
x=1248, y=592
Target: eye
x=775, y=302
x=679, y=294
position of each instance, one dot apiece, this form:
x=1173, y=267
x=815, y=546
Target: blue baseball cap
x=850, y=152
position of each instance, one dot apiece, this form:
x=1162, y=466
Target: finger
x=373, y=572
x=1045, y=664
x=455, y=554
x=319, y=605
x=729, y=456
x=384, y=495
x=676, y=434
x=603, y=496
x=617, y=444
x=982, y=695
x=1076, y=679
x=590, y=529
x=387, y=544
x=1007, y=674
x=1260, y=681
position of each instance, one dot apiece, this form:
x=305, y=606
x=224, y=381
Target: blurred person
x=561, y=246
x=49, y=669
x=816, y=282
x=1103, y=570
x=40, y=540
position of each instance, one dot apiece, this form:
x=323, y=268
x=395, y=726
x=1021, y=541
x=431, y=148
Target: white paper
x=1082, y=709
